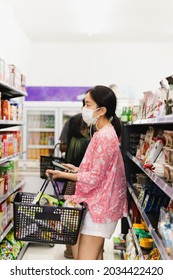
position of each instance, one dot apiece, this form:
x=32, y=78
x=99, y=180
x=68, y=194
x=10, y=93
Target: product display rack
x=156, y=238
x=135, y=239
x=164, y=186
x=10, y=92
x=132, y=164
x=43, y=127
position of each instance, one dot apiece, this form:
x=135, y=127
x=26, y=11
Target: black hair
x=76, y=124
x=105, y=97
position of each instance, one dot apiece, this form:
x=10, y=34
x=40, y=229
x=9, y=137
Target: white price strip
x=70, y=269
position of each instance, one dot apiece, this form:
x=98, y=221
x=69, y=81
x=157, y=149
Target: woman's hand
x=71, y=166
x=55, y=174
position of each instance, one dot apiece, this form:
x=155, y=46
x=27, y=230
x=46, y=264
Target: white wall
x=14, y=45
x=80, y=64
x=140, y=66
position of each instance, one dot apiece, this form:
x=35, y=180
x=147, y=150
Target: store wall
x=14, y=45
x=136, y=66
x=140, y=65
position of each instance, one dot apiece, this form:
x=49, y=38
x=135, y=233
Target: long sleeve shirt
x=101, y=181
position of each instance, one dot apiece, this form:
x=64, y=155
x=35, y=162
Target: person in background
x=74, y=141
x=100, y=178
x=63, y=137
x=77, y=140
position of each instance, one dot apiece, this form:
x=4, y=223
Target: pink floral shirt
x=101, y=181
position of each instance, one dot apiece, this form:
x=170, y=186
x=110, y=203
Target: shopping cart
x=34, y=222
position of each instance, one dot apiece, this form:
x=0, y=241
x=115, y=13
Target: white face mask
x=87, y=115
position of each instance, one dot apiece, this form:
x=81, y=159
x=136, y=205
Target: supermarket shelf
x=9, y=123
x=11, y=91
x=18, y=186
x=22, y=251
x=135, y=239
x=159, y=120
x=8, y=228
x=5, y=159
x=152, y=231
x=43, y=129
x=40, y=146
x=157, y=180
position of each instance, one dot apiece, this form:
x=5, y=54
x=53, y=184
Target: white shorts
x=96, y=229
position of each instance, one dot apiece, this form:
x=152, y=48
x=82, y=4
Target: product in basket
x=71, y=203
x=47, y=199
x=42, y=217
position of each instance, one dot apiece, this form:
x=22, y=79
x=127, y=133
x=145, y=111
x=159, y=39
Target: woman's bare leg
x=90, y=247
x=100, y=256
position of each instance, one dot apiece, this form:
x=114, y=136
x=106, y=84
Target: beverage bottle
x=129, y=113
x=124, y=115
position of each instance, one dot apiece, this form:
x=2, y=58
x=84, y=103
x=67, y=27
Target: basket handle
x=44, y=186
x=53, y=152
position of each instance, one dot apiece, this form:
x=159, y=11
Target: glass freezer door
x=40, y=133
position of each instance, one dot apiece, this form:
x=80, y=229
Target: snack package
x=154, y=151
x=72, y=204
x=47, y=199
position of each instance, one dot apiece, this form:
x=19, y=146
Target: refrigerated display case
x=43, y=124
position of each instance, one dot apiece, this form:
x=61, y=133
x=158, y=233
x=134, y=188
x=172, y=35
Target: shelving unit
x=19, y=257
x=5, y=196
x=132, y=164
x=164, y=186
x=135, y=239
x=8, y=228
x=10, y=92
x=152, y=231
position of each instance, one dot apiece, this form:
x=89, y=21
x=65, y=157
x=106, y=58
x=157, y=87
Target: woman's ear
x=103, y=111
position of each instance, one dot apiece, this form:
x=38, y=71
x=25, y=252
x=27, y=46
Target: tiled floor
x=45, y=252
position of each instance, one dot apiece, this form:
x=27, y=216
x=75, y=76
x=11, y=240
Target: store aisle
x=45, y=252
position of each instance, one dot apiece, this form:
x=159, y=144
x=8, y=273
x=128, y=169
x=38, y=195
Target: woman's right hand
x=71, y=166
x=54, y=174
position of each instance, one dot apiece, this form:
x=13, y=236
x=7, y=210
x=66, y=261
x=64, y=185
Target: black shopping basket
x=43, y=223
x=46, y=162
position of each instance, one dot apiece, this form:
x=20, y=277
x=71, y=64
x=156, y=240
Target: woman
x=100, y=178
x=75, y=137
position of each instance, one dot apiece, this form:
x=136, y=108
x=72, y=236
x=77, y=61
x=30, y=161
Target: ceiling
x=95, y=20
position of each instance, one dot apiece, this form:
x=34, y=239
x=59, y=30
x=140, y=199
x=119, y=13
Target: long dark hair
x=105, y=97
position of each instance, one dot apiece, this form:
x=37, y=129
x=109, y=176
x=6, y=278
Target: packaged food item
x=167, y=175
x=154, y=255
x=3, y=210
x=5, y=109
x=158, y=169
x=171, y=174
x=72, y=204
x=119, y=242
x=154, y=152
x=168, y=135
x=1, y=186
x=146, y=243
x=168, y=154
x=171, y=157
x=47, y=199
